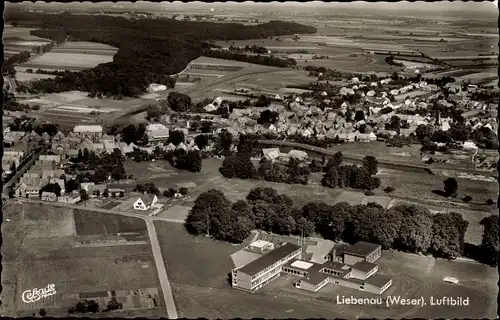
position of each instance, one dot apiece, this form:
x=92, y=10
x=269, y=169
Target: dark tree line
x=8, y=64
x=407, y=228
x=263, y=60
x=148, y=52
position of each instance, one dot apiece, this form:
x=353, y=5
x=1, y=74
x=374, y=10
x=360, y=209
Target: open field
x=206, y=292
x=73, y=56
x=18, y=39
x=74, y=107
x=40, y=250
x=25, y=76
x=96, y=223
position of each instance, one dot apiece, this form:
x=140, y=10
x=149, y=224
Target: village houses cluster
x=303, y=116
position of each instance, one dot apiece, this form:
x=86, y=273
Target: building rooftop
x=364, y=266
x=267, y=260
x=260, y=243
x=378, y=280
x=315, y=278
x=88, y=128
x=362, y=249
x=301, y=264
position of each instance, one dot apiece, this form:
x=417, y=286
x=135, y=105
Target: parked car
x=450, y=280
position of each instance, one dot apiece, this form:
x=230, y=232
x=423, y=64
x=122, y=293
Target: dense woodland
x=149, y=49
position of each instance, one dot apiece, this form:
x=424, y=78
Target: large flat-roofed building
x=315, y=276
x=362, y=251
x=88, y=130
x=361, y=275
x=265, y=269
x=157, y=131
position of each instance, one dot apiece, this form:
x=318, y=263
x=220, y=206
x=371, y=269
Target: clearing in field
x=73, y=56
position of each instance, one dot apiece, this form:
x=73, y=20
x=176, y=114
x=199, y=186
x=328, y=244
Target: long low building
x=258, y=273
x=352, y=267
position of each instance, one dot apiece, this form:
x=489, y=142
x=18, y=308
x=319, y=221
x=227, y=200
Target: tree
x=416, y=229
x=446, y=237
x=336, y=161
x=490, y=244
x=371, y=164
x=13, y=167
x=331, y=225
x=389, y=189
x=387, y=227
x=331, y=178
x=183, y=191
x=85, y=306
x=315, y=166
x=42, y=312
x=284, y=225
x=12, y=192
x=191, y=161
x=105, y=193
x=169, y=193
x=238, y=167
x=84, y=195
x=153, y=112
x=245, y=144
x=176, y=137
x=305, y=227
x=206, y=127
x=268, y=116
x=113, y=304
x=179, y=102
x=213, y=205
x=450, y=187
x=359, y=115
x=201, y=141
x=226, y=140
x=424, y=131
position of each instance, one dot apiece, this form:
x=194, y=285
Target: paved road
x=20, y=172
x=153, y=237
x=12, y=85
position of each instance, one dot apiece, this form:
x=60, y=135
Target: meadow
x=41, y=250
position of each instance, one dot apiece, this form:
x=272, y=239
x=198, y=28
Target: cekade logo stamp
x=35, y=294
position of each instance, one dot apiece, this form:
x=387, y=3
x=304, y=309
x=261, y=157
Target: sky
x=386, y=7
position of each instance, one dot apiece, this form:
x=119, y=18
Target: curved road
x=155, y=245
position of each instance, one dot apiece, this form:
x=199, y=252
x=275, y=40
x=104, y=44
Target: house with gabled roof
x=145, y=202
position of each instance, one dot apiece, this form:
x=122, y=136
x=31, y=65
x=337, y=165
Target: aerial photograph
x=250, y=160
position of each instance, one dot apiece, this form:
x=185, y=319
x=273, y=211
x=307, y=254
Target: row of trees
x=263, y=60
x=144, y=55
x=8, y=64
x=406, y=228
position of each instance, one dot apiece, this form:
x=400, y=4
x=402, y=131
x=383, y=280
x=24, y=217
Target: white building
x=154, y=87
x=145, y=202
x=157, y=131
x=88, y=130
